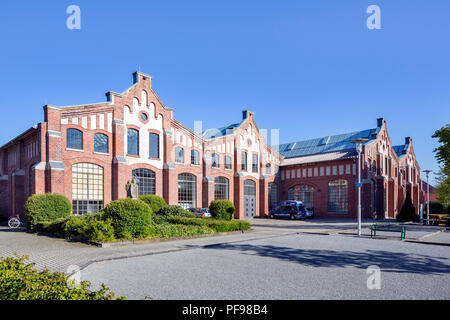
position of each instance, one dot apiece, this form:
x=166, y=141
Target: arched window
x=187, y=188
x=154, y=145
x=74, y=139
x=221, y=188
x=338, y=196
x=249, y=188
x=304, y=193
x=215, y=160
x=133, y=142
x=179, y=155
x=87, y=188
x=374, y=166
x=146, y=181
x=227, y=161
x=195, y=157
x=273, y=195
x=268, y=168
x=101, y=143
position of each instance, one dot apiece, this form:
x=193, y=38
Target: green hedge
x=222, y=209
x=435, y=208
x=168, y=230
x=130, y=218
x=46, y=208
x=153, y=201
x=217, y=225
x=175, y=211
x=21, y=281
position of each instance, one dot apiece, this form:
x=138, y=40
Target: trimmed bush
x=175, y=211
x=46, y=208
x=20, y=281
x=153, y=201
x=130, y=218
x=222, y=209
x=169, y=230
x=435, y=208
x=87, y=228
x=217, y=225
x=408, y=211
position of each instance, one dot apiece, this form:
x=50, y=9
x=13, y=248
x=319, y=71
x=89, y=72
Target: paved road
x=280, y=259
x=300, y=266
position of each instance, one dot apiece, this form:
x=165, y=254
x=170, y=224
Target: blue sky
x=308, y=68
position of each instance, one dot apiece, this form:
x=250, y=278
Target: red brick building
x=89, y=153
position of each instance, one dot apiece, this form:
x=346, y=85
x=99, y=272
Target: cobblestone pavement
x=58, y=254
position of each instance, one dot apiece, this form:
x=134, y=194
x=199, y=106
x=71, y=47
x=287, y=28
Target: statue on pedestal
x=132, y=189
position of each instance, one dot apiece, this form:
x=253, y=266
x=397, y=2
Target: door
x=249, y=199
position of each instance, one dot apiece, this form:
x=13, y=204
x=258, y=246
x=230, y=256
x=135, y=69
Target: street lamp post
x=427, y=172
x=359, y=143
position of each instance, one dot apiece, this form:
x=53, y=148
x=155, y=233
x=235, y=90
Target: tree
x=443, y=151
x=443, y=158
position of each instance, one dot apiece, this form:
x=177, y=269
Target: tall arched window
x=101, y=143
x=87, y=188
x=221, y=188
x=179, y=155
x=227, y=160
x=195, y=157
x=268, y=168
x=304, y=193
x=153, y=145
x=146, y=181
x=133, y=142
x=215, y=160
x=244, y=161
x=74, y=139
x=273, y=195
x=338, y=196
x=187, y=189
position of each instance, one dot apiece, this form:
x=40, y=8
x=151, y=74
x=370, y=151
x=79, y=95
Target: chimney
x=408, y=141
x=380, y=122
x=247, y=114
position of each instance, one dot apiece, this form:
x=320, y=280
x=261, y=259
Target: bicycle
x=15, y=223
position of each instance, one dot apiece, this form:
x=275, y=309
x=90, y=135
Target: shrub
x=217, y=225
x=46, y=208
x=56, y=227
x=168, y=230
x=175, y=211
x=222, y=209
x=20, y=281
x=435, y=208
x=153, y=201
x=129, y=218
x=408, y=211
x=87, y=228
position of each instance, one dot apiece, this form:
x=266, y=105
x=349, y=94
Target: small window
x=133, y=142
x=215, y=160
x=144, y=117
x=227, y=162
x=195, y=158
x=74, y=139
x=101, y=143
x=179, y=155
x=154, y=145
x=268, y=168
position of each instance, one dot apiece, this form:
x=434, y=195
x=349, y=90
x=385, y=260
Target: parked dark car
x=200, y=212
x=291, y=209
